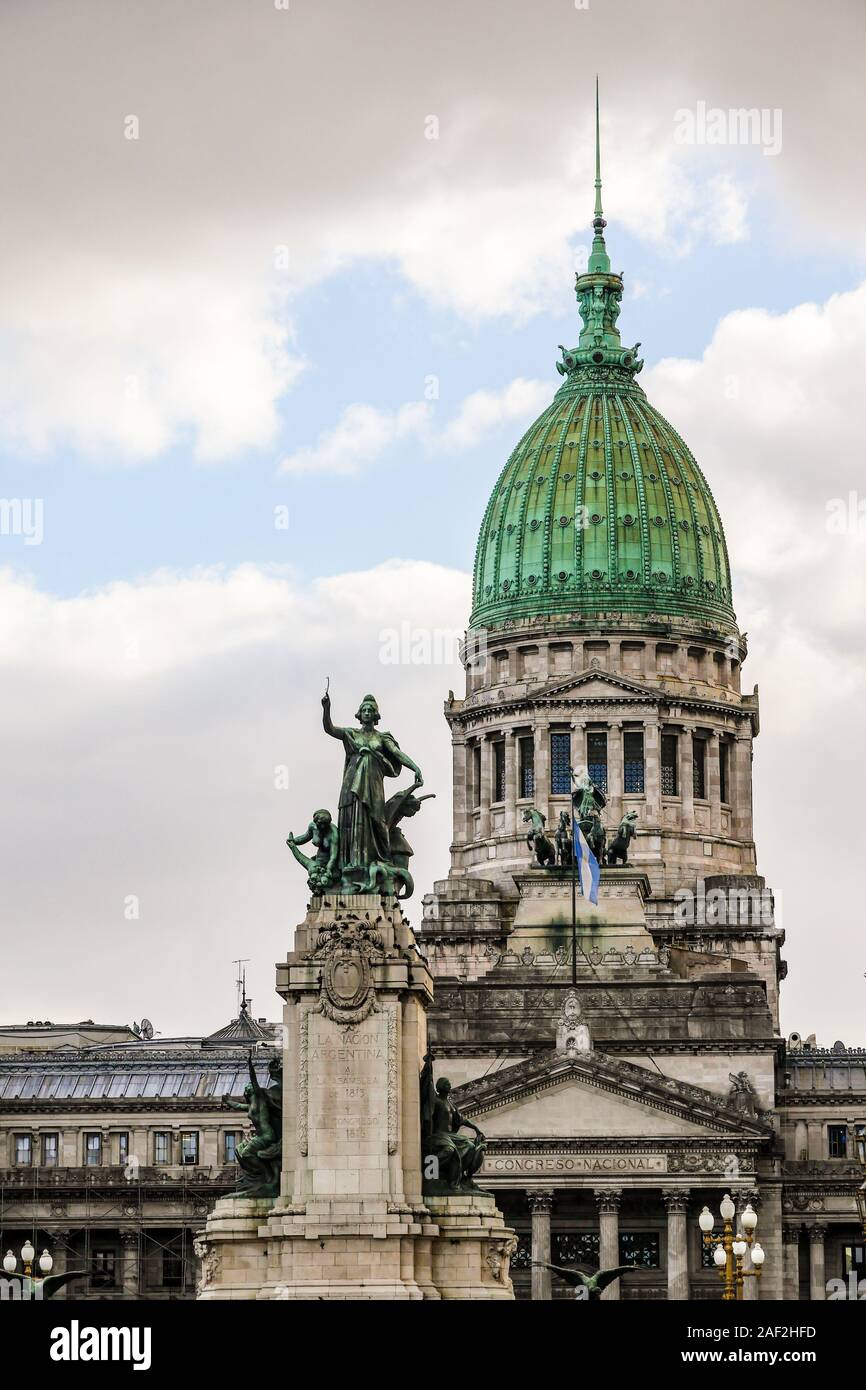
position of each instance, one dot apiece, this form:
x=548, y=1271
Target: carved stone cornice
x=623, y=692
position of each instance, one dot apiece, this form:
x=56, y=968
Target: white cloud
x=360, y=436
x=363, y=433
x=142, y=727
x=485, y=411
x=154, y=260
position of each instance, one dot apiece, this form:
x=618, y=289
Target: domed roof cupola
x=602, y=509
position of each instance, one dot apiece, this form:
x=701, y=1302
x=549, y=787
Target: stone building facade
x=603, y=639
x=112, y=1152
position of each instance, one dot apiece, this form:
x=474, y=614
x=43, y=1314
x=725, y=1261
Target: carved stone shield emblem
x=348, y=995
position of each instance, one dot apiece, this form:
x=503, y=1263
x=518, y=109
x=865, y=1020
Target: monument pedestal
x=472, y=1254
x=350, y=1221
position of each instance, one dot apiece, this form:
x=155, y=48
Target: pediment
x=597, y=1096
x=595, y=683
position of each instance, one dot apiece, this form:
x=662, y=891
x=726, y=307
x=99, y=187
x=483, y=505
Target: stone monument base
x=472, y=1252
x=351, y=1221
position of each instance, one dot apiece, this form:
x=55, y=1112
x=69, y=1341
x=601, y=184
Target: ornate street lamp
x=729, y=1248
x=28, y=1255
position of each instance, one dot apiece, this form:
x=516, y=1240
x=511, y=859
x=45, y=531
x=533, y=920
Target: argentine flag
x=588, y=871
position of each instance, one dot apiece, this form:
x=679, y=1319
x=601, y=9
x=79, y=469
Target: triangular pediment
x=595, y=683
x=594, y=1095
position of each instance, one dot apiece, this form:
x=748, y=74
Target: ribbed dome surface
x=601, y=508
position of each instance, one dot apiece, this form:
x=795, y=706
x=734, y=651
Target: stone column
x=541, y=798
x=817, y=1277
x=741, y=754
x=614, y=771
x=578, y=745
x=791, y=1273
x=129, y=1240
x=510, y=782
x=608, y=1200
x=486, y=785
x=687, y=782
x=460, y=806
x=578, y=658
x=540, y=1206
x=652, y=772
x=681, y=661
x=676, y=1203
x=714, y=785
x=769, y=1233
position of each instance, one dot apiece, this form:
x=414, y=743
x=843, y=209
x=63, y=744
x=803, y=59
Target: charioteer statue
x=588, y=801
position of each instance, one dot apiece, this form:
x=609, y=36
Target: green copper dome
x=601, y=508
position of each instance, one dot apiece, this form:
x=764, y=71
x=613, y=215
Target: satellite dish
x=146, y=1029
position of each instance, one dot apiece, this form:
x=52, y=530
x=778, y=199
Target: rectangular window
x=189, y=1146
x=172, y=1269
x=50, y=1150
x=837, y=1141
x=231, y=1139
x=633, y=762
x=123, y=1149
x=560, y=764
x=92, y=1150
x=527, y=767
x=499, y=770
x=576, y=1248
x=670, y=761
x=476, y=774
x=103, y=1269
x=639, y=1249
x=699, y=767
x=162, y=1146
x=854, y=1259
x=596, y=757
x=724, y=754
x=23, y=1150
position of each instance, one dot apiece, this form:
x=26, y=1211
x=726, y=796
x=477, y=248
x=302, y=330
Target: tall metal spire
x=599, y=261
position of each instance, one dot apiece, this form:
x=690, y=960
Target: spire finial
x=598, y=212
x=599, y=259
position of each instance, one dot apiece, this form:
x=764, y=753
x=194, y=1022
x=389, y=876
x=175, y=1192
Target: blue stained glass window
x=527, y=767
x=499, y=771
x=699, y=767
x=633, y=762
x=560, y=764
x=596, y=757
x=670, y=760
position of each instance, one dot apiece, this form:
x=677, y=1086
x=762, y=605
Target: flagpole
x=573, y=889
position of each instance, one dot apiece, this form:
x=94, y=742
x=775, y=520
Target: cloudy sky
x=280, y=285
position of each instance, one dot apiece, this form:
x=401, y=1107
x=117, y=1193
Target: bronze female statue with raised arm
x=363, y=827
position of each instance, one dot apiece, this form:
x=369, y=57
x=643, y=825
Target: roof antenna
x=241, y=983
